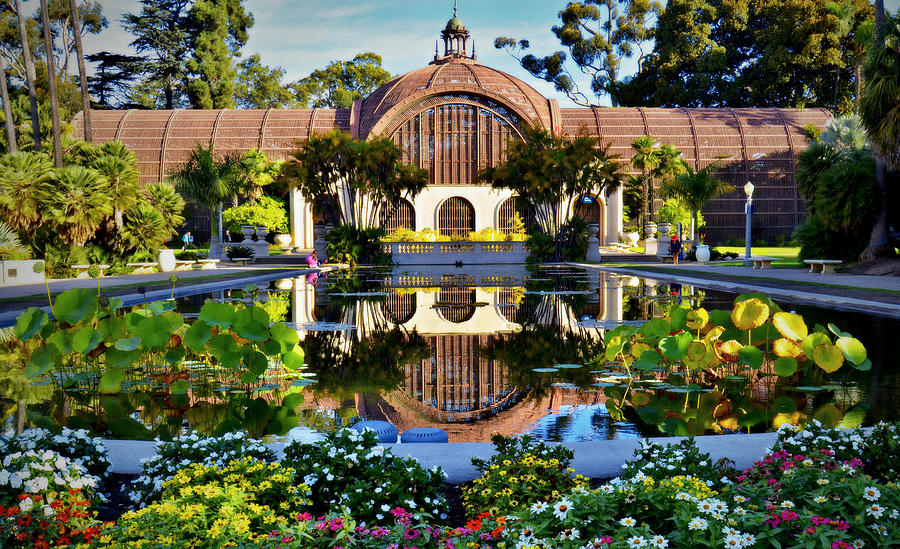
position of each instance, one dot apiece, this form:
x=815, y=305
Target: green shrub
x=675, y=211
x=239, y=251
x=817, y=242
x=353, y=245
x=267, y=211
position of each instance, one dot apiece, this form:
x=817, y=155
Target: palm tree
x=10, y=245
x=880, y=111
x=12, y=146
x=119, y=166
x=82, y=73
x=51, y=80
x=695, y=189
x=167, y=202
x=144, y=230
x=208, y=182
x=79, y=203
x=647, y=159
x=29, y=75
x=24, y=188
x=255, y=171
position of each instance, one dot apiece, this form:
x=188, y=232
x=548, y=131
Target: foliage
x=144, y=231
x=171, y=458
x=267, y=211
x=10, y=245
x=75, y=444
x=207, y=180
x=63, y=522
x=551, y=173
x=817, y=242
x=255, y=171
x=402, y=234
x=694, y=189
x=659, y=462
x=880, y=106
x=368, y=174
x=600, y=35
x=170, y=204
x=350, y=470
x=239, y=251
x=261, y=87
x=674, y=211
x=349, y=244
x=341, y=82
x=573, y=235
x=79, y=203
x=520, y=472
x=41, y=473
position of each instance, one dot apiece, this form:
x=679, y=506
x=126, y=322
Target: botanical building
x=456, y=115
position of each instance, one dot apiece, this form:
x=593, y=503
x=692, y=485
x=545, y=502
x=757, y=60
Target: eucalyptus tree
x=551, y=173
x=52, y=84
x=208, y=181
x=694, y=189
x=8, y=122
x=28, y=61
x=880, y=112
x=78, y=203
x=646, y=158
x=75, y=22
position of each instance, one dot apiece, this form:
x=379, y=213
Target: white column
x=301, y=224
x=613, y=212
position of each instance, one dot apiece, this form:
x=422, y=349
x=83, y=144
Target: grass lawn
x=787, y=254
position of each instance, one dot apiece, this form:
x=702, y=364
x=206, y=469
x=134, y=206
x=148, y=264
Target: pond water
x=476, y=351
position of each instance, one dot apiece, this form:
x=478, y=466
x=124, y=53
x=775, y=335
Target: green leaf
x=785, y=366
x=60, y=343
x=217, y=314
x=180, y=387
x=119, y=358
x=161, y=307
x=197, y=336
x=252, y=323
x=657, y=327
x=852, y=348
x=41, y=362
x=85, y=339
x=784, y=405
x=75, y=305
x=111, y=381
x=154, y=333
x=812, y=341
x=790, y=326
x=293, y=359
x=292, y=400
x=837, y=331
x=613, y=348
x=751, y=356
x=828, y=357
x=128, y=344
x=679, y=316
x=675, y=347
x=29, y=323
x=287, y=337
x=256, y=362
x=224, y=348
x=111, y=328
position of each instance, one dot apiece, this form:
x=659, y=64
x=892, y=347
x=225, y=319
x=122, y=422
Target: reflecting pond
x=482, y=350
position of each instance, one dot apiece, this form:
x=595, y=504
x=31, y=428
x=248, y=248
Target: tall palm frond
x=167, y=202
x=695, y=189
x=144, y=230
x=24, y=188
x=80, y=201
x=122, y=179
x=10, y=245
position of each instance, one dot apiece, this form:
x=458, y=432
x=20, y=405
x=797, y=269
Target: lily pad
x=545, y=370
x=569, y=366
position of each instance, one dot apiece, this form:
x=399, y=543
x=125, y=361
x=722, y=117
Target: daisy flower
x=628, y=521
x=698, y=523
x=636, y=541
x=561, y=508
x=659, y=541
x=539, y=507
x=871, y=493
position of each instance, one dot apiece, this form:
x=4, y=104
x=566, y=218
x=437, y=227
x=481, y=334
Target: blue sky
x=303, y=35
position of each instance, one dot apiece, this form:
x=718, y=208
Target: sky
x=303, y=35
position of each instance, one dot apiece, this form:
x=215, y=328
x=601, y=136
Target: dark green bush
x=239, y=251
x=356, y=246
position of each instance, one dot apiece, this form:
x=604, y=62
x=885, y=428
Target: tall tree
x=11, y=145
x=114, y=76
x=28, y=62
x=219, y=29
x=341, y=82
x=646, y=158
x=880, y=111
x=261, y=87
x=51, y=79
x=599, y=35
x=78, y=203
x=695, y=189
x=82, y=72
x=162, y=37
x=208, y=181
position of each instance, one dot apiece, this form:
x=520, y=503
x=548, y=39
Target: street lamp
x=748, y=209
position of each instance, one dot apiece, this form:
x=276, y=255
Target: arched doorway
x=456, y=217
x=396, y=215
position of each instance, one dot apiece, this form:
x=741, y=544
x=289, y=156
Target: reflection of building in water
x=457, y=388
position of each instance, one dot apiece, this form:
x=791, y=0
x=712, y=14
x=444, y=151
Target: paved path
x=842, y=291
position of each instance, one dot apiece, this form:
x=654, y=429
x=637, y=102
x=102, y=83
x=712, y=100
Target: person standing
x=185, y=240
x=675, y=248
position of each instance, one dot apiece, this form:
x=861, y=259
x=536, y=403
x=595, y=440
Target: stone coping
x=596, y=459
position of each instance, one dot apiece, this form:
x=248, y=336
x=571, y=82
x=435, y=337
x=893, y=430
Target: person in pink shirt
x=312, y=260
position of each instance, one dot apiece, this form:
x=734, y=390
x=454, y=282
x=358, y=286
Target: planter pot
x=247, y=231
x=631, y=238
x=166, y=260
x=702, y=253
x=650, y=230
x=664, y=228
x=283, y=241
x=261, y=232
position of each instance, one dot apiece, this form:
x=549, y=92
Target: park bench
x=207, y=263
x=184, y=264
x=761, y=262
x=81, y=271
x=142, y=268
x=823, y=266
x=241, y=260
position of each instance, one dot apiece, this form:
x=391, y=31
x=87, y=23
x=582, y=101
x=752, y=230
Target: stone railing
x=449, y=253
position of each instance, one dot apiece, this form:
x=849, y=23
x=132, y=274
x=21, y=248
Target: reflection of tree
x=371, y=365
x=543, y=347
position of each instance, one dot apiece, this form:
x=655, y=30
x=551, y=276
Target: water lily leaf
x=180, y=387
x=751, y=356
x=697, y=319
x=614, y=347
x=696, y=351
x=197, y=335
x=224, y=348
x=714, y=333
x=852, y=348
x=217, y=314
x=293, y=360
x=29, y=323
x=865, y=366
x=154, y=333
x=60, y=343
x=252, y=323
x=813, y=340
x=837, y=331
x=111, y=328
x=773, y=307
x=256, y=362
x=161, y=307
x=791, y=326
x=728, y=350
x=119, y=358
x=784, y=347
x=175, y=320
x=128, y=344
x=785, y=366
x=828, y=357
x=75, y=305
x=40, y=363
x=285, y=336
x=784, y=405
x=639, y=398
x=85, y=339
x=749, y=314
x=678, y=316
x=675, y=347
x=111, y=381
x=651, y=356
x=657, y=327
x=638, y=348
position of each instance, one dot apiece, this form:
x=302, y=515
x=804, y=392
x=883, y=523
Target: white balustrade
x=449, y=253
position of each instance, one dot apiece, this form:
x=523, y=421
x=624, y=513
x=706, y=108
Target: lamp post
x=748, y=209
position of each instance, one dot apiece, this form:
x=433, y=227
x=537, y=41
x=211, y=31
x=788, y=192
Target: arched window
x=456, y=217
x=508, y=210
x=456, y=304
x=399, y=214
x=400, y=308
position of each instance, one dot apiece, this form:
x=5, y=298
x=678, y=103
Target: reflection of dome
x=456, y=77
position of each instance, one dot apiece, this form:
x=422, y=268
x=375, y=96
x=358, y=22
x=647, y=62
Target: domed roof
x=455, y=24
x=382, y=109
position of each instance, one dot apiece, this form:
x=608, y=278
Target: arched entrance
x=396, y=215
x=456, y=217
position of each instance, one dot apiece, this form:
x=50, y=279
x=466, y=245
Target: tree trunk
x=645, y=199
x=7, y=113
x=82, y=73
x=29, y=76
x=858, y=84
x=51, y=79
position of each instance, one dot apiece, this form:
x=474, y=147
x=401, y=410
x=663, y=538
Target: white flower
x=894, y=513
x=697, y=523
x=820, y=499
x=561, y=508
x=569, y=533
x=659, y=541
x=871, y=493
x=750, y=540
x=875, y=510
x=628, y=521
x=734, y=540
x=636, y=541
x=26, y=504
x=539, y=507
x=788, y=504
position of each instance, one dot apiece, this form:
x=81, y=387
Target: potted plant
x=166, y=259
x=702, y=249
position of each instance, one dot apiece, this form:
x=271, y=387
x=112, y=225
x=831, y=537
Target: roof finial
x=455, y=7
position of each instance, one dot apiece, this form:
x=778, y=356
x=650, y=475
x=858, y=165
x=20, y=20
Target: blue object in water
x=424, y=434
x=386, y=431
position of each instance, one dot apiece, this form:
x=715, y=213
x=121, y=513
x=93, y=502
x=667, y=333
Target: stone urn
x=283, y=240
x=261, y=232
x=664, y=228
x=247, y=231
x=702, y=253
x=631, y=238
x=650, y=230
x=166, y=259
